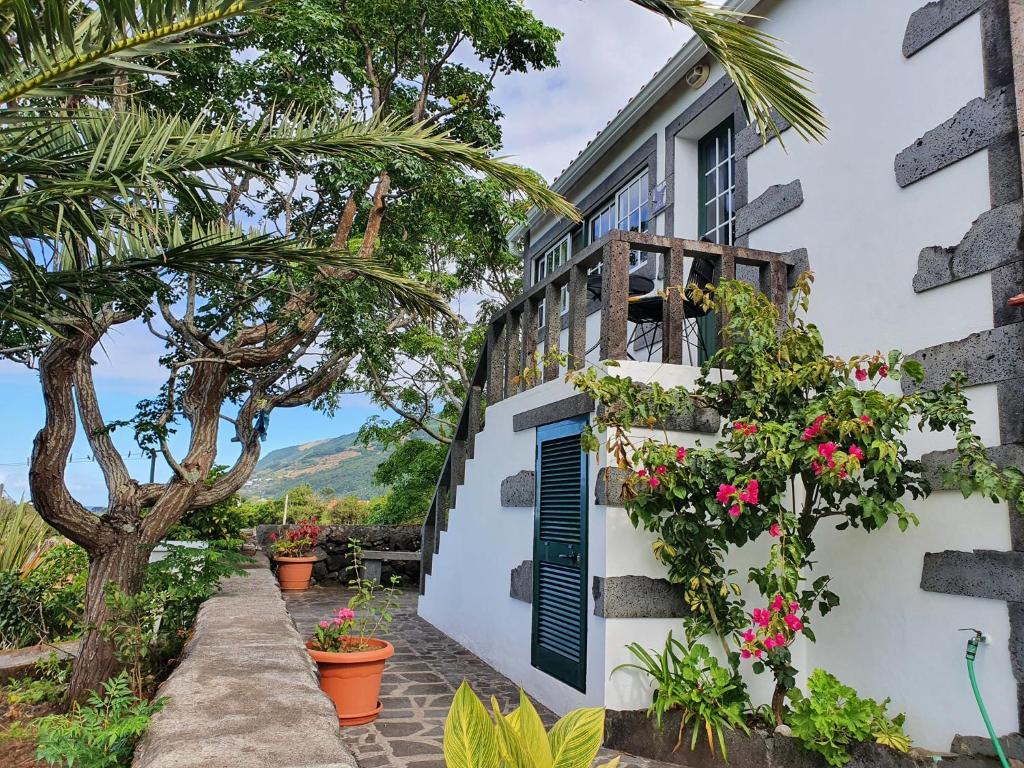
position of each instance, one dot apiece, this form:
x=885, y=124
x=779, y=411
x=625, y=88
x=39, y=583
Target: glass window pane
x=644, y=216
x=634, y=220
x=723, y=209
x=634, y=196
x=711, y=220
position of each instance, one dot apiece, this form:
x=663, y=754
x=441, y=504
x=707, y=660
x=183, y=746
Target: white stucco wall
x=863, y=234
x=467, y=593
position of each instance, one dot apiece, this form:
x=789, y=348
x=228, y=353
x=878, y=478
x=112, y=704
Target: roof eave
x=664, y=79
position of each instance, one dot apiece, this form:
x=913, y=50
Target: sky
x=610, y=49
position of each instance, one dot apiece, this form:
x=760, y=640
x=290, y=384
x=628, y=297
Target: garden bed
x=634, y=732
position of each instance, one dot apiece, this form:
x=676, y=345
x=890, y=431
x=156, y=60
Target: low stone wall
x=334, y=555
x=246, y=692
x=634, y=732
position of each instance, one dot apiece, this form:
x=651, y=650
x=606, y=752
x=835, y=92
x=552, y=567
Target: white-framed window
x=544, y=265
x=551, y=259
x=629, y=209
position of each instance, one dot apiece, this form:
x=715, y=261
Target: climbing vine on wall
x=808, y=439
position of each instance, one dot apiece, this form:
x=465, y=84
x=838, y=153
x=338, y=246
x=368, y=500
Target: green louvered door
x=560, y=554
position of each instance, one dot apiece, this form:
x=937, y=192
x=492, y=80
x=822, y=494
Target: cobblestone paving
x=419, y=683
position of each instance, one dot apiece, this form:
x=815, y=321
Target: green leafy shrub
x=518, y=740
x=214, y=523
x=20, y=611
x=100, y=733
x=48, y=683
x=832, y=718
x=60, y=577
x=411, y=472
x=711, y=697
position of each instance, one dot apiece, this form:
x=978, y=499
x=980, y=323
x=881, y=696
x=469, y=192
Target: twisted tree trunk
x=122, y=564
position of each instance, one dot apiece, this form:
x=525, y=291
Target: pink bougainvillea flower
x=794, y=607
x=860, y=374
x=654, y=482
x=812, y=431
x=793, y=622
x=660, y=470
x=734, y=510
x=775, y=531
x=757, y=653
x=345, y=614
x=680, y=454
x=761, y=617
x=749, y=496
x=780, y=640
x=816, y=467
x=641, y=473
x=843, y=474
x=832, y=463
x=856, y=452
x=883, y=371
x=825, y=450
x=748, y=636
x=865, y=419
x=777, y=603
x=324, y=625
x=745, y=654
x=725, y=493
x=769, y=643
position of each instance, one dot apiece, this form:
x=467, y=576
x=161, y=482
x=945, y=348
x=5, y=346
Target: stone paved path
x=419, y=682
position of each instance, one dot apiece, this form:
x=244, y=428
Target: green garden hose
x=972, y=652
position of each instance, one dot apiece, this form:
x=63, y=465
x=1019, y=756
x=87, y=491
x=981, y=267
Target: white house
x=910, y=216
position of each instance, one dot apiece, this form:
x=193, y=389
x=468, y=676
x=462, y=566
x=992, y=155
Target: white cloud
x=609, y=50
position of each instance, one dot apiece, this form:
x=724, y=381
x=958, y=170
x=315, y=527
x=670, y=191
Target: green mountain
x=338, y=463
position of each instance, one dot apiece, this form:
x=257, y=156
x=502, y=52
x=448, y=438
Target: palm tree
x=100, y=205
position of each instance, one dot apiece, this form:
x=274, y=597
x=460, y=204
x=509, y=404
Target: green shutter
x=559, y=645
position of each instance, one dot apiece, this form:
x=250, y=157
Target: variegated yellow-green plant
x=472, y=739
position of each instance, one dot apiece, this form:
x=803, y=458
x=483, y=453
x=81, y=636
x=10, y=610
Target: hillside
x=339, y=463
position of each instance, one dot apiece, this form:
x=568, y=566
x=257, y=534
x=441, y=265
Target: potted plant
x=293, y=554
x=348, y=651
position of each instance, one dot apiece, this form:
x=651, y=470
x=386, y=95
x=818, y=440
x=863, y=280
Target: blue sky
x=610, y=49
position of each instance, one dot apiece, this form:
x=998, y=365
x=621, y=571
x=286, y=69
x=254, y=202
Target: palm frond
x=52, y=43
x=768, y=81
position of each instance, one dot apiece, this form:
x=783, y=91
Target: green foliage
x=411, y=471
x=48, y=683
x=792, y=416
x=832, y=718
x=101, y=733
x=22, y=532
x=19, y=611
x=348, y=510
x=59, y=578
x=218, y=522
x=712, y=698
x=45, y=603
x=518, y=740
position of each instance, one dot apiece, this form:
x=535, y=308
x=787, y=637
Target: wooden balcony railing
x=512, y=335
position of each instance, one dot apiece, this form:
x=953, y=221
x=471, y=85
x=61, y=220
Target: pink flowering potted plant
x=348, y=652
x=807, y=438
x=294, y=554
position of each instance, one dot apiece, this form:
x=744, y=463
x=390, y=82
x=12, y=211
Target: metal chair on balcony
x=646, y=312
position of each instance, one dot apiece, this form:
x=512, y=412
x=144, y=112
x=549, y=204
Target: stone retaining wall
x=246, y=691
x=334, y=552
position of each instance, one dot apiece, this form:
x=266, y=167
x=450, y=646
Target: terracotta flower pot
x=352, y=680
x=293, y=572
